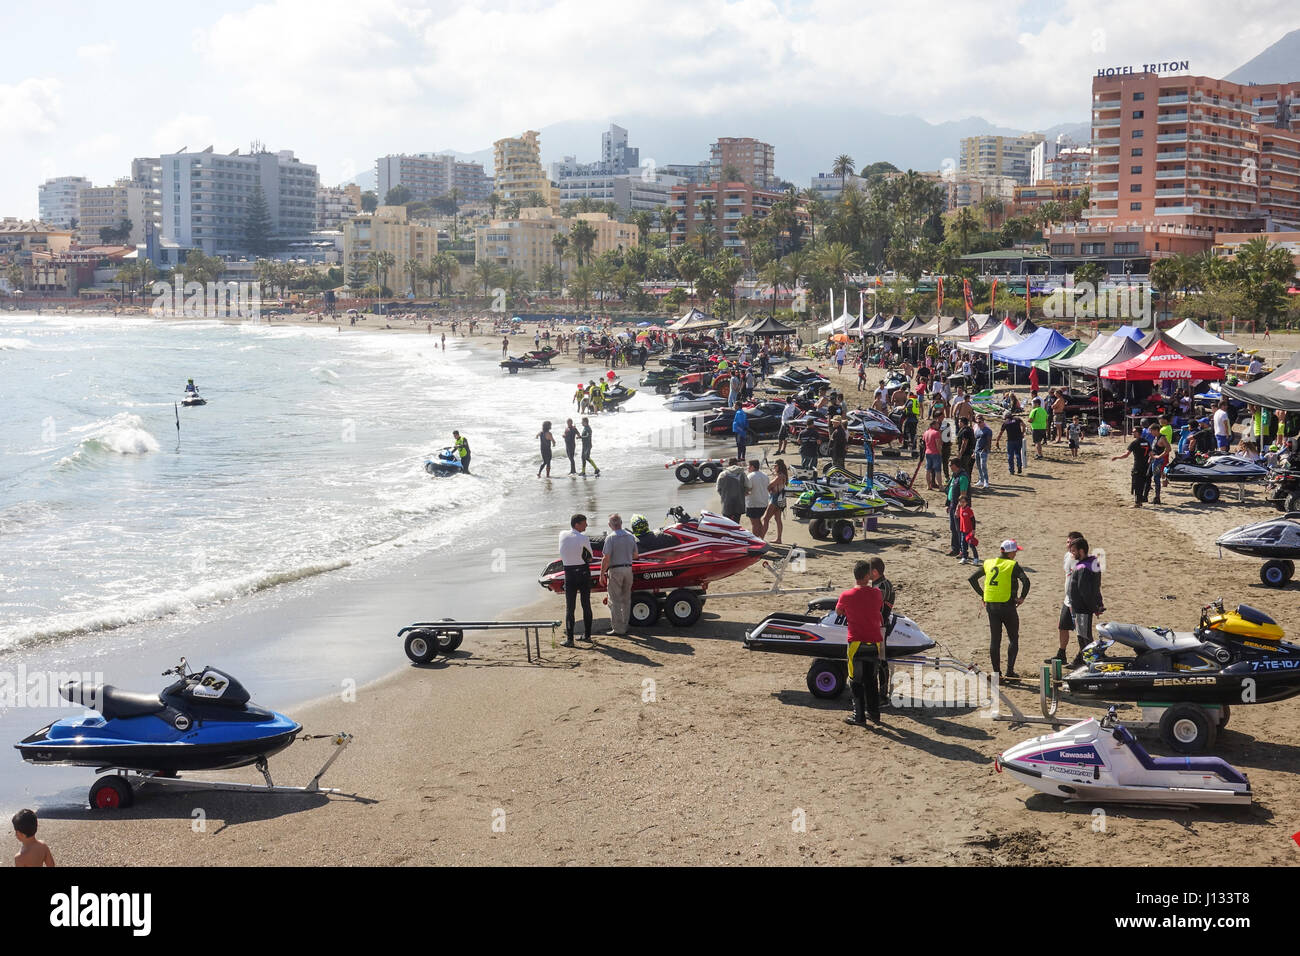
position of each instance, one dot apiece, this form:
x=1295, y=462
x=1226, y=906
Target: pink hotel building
x=1177, y=160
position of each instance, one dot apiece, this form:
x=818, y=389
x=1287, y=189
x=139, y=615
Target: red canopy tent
x=1161, y=362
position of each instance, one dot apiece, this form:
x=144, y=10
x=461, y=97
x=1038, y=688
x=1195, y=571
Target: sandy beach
x=678, y=746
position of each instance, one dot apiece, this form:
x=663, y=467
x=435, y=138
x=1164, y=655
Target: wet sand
x=678, y=746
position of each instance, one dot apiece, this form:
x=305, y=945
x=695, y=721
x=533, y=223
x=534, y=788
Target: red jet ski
x=675, y=565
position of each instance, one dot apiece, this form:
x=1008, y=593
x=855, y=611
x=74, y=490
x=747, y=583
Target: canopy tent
x=997, y=338
x=1025, y=326
x=936, y=326
x=846, y=321
x=1102, y=351
x=904, y=329
x=962, y=331
x=1280, y=389
x=769, y=326
x=891, y=326
x=741, y=325
x=694, y=321
x=1157, y=336
x=1046, y=364
x=1127, y=331
x=875, y=323
x=1162, y=362
x=1189, y=333
x=1039, y=345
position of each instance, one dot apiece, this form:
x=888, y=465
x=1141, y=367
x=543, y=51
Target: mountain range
x=808, y=140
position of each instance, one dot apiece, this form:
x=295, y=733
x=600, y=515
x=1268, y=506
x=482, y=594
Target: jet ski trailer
x=1216, y=470
x=1100, y=761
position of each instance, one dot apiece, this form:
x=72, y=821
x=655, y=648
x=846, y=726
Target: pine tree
x=257, y=225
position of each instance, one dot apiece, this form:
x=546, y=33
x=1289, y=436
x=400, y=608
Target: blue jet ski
x=445, y=462
x=202, y=721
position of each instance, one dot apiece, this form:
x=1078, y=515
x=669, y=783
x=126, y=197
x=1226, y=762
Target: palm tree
x=643, y=220
x=549, y=276
x=992, y=207
x=602, y=278
x=963, y=224
x=668, y=217
x=689, y=266
x=583, y=237
x=414, y=270
x=580, y=283
x=560, y=242
x=729, y=269
x=777, y=276
x=374, y=262
x=494, y=200
x=125, y=276
x=842, y=167
x=488, y=273
x=839, y=261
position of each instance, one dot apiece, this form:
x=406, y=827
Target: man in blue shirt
x=740, y=428
x=983, y=443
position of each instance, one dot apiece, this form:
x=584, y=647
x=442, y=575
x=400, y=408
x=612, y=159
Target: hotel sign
x=1172, y=66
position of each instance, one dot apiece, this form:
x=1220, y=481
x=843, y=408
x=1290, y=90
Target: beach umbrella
x=839, y=338
x=642, y=325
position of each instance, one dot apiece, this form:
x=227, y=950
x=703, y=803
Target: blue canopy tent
x=1041, y=344
x=1128, y=330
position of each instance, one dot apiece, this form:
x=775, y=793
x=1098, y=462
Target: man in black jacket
x=1085, y=593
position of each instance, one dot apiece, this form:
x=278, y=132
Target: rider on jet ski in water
x=190, y=389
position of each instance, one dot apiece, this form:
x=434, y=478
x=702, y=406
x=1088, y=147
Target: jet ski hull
x=1101, y=761
x=807, y=635
x=1275, y=538
x=1219, y=470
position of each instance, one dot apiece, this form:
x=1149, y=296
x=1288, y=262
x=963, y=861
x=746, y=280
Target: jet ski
x=764, y=420
x=617, y=394
x=800, y=378
x=1277, y=539
x=513, y=364
x=543, y=356
x=822, y=634
x=1232, y=657
x=202, y=721
x=661, y=380
x=690, y=402
x=680, y=560
x=895, y=492
x=1100, y=761
x=1213, y=471
x=1283, y=488
x=446, y=462
x=192, y=398
x=831, y=514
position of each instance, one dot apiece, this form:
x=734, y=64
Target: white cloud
x=183, y=130
x=98, y=54
x=30, y=108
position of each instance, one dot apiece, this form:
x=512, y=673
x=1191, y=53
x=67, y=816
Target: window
x=1135, y=170
x=1135, y=151
x=1135, y=188
x=1093, y=249
x=1137, y=134
x=1138, y=114
x=1135, y=207
x=1139, y=96
x=1063, y=249
x=1126, y=248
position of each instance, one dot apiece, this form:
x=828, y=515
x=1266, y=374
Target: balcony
x=1101, y=214
x=1172, y=100
x=1112, y=194
x=1107, y=104
x=1111, y=141
x=1180, y=117
x=1169, y=155
x=1106, y=178
x=1175, y=192
x=1177, y=210
x=1179, y=173
x=1172, y=137
x=1275, y=149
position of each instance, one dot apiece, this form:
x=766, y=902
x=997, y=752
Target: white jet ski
x=1100, y=761
x=691, y=402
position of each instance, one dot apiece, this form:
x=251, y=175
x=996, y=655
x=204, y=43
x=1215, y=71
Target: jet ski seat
x=1148, y=638
x=109, y=701
x=1214, y=765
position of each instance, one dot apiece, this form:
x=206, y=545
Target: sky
x=86, y=86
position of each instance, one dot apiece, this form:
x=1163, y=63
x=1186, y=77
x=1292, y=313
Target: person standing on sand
x=1140, y=449
x=571, y=445
x=1000, y=576
x=32, y=852
x=838, y=441
x=1038, y=425
x=930, y=442
x=757, y=498
x=862, y=607
x=1014, y=429
x=617, y=555
x=505, y=344
x=586, y=449
x=1084, y=589
x=731, y=490
x=575, y=555
x=776, y=505
x=444, y=341
x=548, y=443
x=1066, y=623
x=886, y=589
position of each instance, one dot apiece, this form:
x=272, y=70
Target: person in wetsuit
x=461, y=447
x=547, y=443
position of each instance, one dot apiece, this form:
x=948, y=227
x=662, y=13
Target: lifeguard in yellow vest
x=998, y=592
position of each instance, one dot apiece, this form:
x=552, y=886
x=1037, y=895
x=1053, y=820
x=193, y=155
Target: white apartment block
x=59, y=200
x=109, y=206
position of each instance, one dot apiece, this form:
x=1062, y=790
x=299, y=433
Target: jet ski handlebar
x=180, y=670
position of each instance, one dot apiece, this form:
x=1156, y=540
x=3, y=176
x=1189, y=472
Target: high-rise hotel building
x=1177, y=160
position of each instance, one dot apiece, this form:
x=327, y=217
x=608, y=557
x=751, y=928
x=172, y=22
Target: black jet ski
x=1232, y=657
x=822, y=634
x=192, y=398
x=202, y=721
x=799, y=378
x=1277, y=540
x=764, y=420
x=1205, y=476
x=513, y=364
x=446, y=462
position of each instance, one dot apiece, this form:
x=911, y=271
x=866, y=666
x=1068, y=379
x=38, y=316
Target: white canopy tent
x=1192, y=335
x=994, y=340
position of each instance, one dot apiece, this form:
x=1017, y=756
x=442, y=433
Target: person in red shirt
x=1033, y=381
x=861, y=608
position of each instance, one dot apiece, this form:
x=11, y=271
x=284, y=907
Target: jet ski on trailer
x=1100, y=761
x=1277, y=540
x=1206, y=476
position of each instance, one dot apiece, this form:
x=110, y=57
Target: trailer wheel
x=817, y=528
x=422, y=646
x=449, y=640
x=686, y=473
x=709, y=472
x=826, y=679
x=1209, y=493
x=1187, y=728
x=644, y=611
x=111, y=793
x=1225, y=711
x=1273, y=574
x=683, y=607
x=1196, y=490
x=842, y=531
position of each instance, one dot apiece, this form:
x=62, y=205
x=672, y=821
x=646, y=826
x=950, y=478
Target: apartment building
x=999, y=156
x=517, y=168
x=336, y=204
x=59, y=200
x=431, y=176
x=752, y=158
x=527, y=243
x=101, y=207
x=731, y=203
x=831, y=187
x=205, y=197
x=387, y=230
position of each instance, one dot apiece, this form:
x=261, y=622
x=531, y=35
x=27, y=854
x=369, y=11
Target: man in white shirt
x=1222, y=426
x=788, y=414
x=757, y=498
x=1255, y=367
x=617, y=555
x=840, y=356
x=575, y=555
